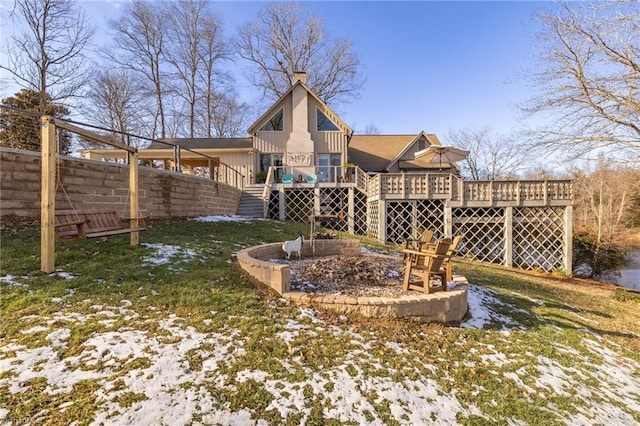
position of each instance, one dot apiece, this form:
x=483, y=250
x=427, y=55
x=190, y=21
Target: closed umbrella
x=446, y=153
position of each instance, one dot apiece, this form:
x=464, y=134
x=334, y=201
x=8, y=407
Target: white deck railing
x=443, y=186
x=450, y=187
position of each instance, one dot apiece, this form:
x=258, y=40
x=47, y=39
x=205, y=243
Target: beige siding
x=275, y=141
x=410, y=154
x=325, y=142
x=243, y=162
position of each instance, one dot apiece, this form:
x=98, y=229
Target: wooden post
x=448, y=221
x=351, y=211
x=568, y=241
x=508, y=236
x=48, y=195
x=282, y=204
x=382, y=224
x=133, y=196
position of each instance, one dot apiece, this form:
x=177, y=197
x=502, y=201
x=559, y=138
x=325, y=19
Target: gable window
x=421, y=144
x=274, y=124
x=324, y=123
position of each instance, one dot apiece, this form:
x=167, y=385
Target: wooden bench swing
x=72, y=225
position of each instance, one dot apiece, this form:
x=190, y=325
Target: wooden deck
x=522, y=223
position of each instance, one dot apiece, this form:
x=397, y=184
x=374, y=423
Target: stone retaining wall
x=96, y=185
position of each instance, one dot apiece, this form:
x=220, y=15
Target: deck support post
x=351, y=212
x=282, y=204
x=382, y=224
x=568, y=241
x=508, y=236
x=48, y=195
x=448, y=221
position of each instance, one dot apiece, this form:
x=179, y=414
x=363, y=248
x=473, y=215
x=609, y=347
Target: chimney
x=299, y=75
x=300, y=138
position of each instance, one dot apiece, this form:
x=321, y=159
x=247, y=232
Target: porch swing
x=73, y=225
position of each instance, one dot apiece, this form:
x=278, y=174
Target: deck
x=523, y=223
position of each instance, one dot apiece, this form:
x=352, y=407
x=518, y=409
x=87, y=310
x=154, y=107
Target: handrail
x=230, y=175
x=451, y=187
x=268, y=183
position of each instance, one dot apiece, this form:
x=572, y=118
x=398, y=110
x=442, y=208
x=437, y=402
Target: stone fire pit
x=334, y=274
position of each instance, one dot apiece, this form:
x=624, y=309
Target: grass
x=117, y=336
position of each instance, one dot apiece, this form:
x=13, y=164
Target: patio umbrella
x=446, y=153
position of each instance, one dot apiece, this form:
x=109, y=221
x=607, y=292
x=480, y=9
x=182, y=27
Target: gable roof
x=204, y=143
x=431, y=138
x=323, y=106
x=376, y=153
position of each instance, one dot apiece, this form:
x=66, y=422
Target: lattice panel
x=335, y=201
x=360, y=214
x=538, y=238
x=401, y=222
x=273, y=210
x=482, y=232
x=373, y=219
x=299, y=204
x=430, y=215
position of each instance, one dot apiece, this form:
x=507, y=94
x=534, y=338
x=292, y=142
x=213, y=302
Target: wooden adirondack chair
x=426, y=264
x=412, y=244
x=453, y=249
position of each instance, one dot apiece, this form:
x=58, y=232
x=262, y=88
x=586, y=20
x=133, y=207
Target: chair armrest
x=72, y=223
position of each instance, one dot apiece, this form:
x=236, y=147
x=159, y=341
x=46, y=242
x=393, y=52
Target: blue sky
x=432, y=66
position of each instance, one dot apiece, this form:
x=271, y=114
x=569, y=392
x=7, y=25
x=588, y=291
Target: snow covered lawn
x=184, y=339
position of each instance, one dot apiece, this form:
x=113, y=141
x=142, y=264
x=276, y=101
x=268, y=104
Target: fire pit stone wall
x=255, y=260
x=446, y=307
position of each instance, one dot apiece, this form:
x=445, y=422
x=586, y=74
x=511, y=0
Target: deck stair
x=251, y=202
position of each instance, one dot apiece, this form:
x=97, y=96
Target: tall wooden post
x=508, y=236
x=568, y=240
x=351, y=211
x=448, y=221
x=382, y=224
x=133, y=196
x=282, y=204
x=48, y=195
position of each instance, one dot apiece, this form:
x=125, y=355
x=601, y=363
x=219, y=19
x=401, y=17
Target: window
x=274, y=124
x=329, y=167
x=421, y=144
x=268, y=160
x=324, y=123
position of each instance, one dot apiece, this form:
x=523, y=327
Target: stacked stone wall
x=93, y=185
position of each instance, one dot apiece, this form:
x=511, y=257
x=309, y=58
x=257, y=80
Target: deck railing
x=423, y=185
x=443, y=186
x=448, y=186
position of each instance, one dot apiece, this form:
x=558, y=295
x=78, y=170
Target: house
x=302, y=138
x=301, y=161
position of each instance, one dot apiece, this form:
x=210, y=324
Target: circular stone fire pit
x=335, y=275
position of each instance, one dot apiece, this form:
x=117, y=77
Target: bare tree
x=139, y=38
x=605, y=202
x=118, y=101
x=370, y=129
x=216, y=83
x=284, y=39
x=195, y=49
x=588, y=79
x=490, y=156
x=230, y=117
x=48, y=57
